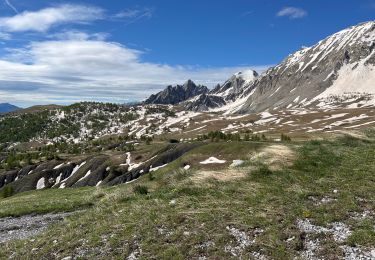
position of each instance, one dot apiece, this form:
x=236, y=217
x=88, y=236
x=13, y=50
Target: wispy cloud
x=5, y=36
x=133, y=15
x=78, y=35
x=44, y=19
x=11, y=6
x=292, y=12
x=64, y=71
x=248, y=13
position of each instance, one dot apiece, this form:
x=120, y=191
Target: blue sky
x=119, y=51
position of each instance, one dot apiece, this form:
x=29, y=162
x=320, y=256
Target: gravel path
x=27, y=226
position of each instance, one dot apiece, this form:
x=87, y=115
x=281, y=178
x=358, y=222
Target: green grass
x=51, y=200
x=178, y=217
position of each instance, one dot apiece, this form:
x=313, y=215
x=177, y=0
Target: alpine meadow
x=186, y=130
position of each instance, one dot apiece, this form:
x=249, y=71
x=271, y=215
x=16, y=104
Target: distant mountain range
x=6, y=108
x=337, y=71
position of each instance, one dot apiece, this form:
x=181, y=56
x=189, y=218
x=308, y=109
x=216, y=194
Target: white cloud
x=292, y=12
x=82, y=69
x=44, y=19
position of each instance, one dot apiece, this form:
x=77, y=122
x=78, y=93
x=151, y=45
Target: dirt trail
x=27, y=226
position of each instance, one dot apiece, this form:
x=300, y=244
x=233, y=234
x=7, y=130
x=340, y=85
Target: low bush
x=285, y=138
x=140, y=189
x=6, y=192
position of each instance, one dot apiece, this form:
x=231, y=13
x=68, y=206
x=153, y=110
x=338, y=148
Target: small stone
x=290, y=239
x=335, y=191
x=237, y=163
x=172, y=202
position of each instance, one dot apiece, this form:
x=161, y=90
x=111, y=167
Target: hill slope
x=312, y=207
x=340, y=64
x=6, y=108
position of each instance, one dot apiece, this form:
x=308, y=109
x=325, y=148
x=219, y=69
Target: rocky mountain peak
x=188, y=83
x=175, y=94
x=247, y=75
x=234, y=88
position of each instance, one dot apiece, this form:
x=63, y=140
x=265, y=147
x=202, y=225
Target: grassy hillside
x=262, y=209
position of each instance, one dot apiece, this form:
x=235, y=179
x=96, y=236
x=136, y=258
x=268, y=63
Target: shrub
x=285, y=138
x=6, y=192
x=181, y=174
x=140, y=189
x=264, y=170
x=151, y=176
x=306, y=214
x=255, y=138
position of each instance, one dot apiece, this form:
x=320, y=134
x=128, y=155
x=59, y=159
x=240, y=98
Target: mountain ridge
x=173, y=95
x=341, y=65
x=308, y=73
x=7, y=107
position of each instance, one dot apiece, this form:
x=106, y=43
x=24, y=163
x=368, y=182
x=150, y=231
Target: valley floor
x=257, y=200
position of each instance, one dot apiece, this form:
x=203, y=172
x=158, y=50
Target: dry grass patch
x=275, y=156
x=223, y=175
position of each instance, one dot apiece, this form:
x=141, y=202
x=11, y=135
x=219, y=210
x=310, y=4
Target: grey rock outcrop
x=232, y=90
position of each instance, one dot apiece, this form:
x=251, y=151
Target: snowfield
x=212, y=160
